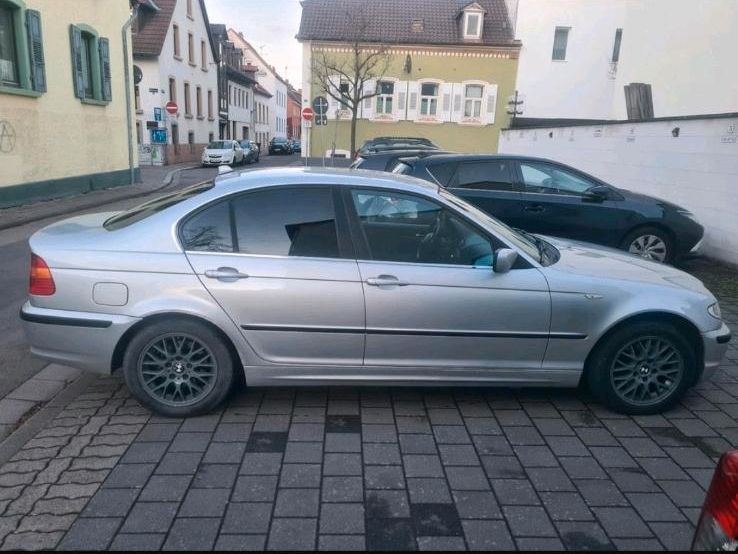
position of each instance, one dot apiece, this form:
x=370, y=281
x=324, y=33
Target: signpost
x=158, y=136
x=172, y=108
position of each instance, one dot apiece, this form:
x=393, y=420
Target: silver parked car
x=344, y=277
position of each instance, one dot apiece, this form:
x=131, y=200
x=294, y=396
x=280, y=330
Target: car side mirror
x=504, y=260
x=598, y=193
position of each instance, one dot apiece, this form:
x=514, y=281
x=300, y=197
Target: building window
x=204, y=55
x=188, y=106
x=473, y=100
x=616, y=45
x=246, y=100
x=138, y=132
x=428, y=98
x=472, y=25
x=191, y=48
x=561, y=39
x=137, y=97
x=22, y=66
x=191, y=137
x=172, y=90
x=210, y=104
x=175, y=133
x=198, y=100
x=211, y=137
x=189, y=8
x=9, y=66
x=343, y=90
x=175, y=37
x=90, y=64
x=385, y=92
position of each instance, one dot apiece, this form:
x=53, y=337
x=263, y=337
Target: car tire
x=650, y=240
x=611, y=375
x=166, y=356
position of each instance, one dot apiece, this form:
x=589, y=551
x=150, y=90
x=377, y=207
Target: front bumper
x=79, y=339
x=715, y=345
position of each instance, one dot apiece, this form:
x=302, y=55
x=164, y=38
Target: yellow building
x=450, y=68
x=63, y=124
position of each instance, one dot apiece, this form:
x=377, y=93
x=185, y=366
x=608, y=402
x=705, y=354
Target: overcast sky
x=271, y=24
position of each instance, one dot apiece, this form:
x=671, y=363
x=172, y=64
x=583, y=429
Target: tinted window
x=142, y=211
x=442, y=172
x=209, y=230
x=491, y=175
x=550, y=179
x=286, y=222
x=406, y=228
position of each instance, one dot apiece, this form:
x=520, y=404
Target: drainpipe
x=127, y=79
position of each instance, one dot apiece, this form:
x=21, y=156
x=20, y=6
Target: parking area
x=370, y=468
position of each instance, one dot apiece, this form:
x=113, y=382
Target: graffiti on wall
x=7, y=137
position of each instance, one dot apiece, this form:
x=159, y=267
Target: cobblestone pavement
x=341, y=469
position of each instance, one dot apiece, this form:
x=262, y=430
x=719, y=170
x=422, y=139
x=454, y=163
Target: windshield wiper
x=540, y=244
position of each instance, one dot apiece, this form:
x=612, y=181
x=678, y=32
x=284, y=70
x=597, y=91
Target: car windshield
x=527, y=245
x=147, y=209
x=219, y=145
x=279, y=141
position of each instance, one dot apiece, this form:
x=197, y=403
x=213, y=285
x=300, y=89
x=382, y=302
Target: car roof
x=433, y=158
x=235, y=181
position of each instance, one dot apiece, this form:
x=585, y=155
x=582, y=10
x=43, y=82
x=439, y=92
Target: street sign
x=172, y=108
x=320, y=106
x=159, y=136
x=308, y=114
x=157, y=114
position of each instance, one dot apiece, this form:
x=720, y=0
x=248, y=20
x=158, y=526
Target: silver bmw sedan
x=307, y=277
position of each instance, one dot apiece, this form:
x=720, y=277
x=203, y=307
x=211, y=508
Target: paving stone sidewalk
x=378, y=469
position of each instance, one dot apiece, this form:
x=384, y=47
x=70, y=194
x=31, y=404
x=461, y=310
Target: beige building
x=63, y=127
x=450, y=68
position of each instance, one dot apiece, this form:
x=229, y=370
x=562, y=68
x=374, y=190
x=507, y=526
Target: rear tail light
x=718, y=525
x=42, y=283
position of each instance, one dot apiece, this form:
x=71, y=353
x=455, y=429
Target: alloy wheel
x=646, y=371
x=177, y=369
x=650, y=247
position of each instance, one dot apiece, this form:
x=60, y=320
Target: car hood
x=600, y=262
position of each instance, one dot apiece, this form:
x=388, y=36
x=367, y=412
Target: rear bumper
x=78, y=339
x=715, y=345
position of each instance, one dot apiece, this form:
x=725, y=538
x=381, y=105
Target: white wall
x=156, y=75
x=697, y=170
x=684, y=49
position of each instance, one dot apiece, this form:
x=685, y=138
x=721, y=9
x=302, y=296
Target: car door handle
x=386, y=281
x=536, y=209
x=225, y=273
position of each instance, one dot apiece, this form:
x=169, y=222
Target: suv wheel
x=178, y=368
x=643, y=368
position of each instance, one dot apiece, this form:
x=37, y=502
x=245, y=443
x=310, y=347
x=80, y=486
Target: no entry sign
x=308, y=114
x=172, y=108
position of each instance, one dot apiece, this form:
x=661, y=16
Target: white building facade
x=578, y=55
x=271, y=81
x=240, y=107
x=180, y=67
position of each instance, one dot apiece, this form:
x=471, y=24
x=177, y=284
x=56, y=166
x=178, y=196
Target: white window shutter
x=446, y=96
x=458, y=110
x=400, y=100
x=490, y=105
x=367, y=110
x=413, y=102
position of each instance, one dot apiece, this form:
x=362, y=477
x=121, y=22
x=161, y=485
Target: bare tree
x=344, y=75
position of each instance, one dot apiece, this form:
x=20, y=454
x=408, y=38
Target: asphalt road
x=16, y=362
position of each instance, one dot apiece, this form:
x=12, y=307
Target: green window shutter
x=36, y=50
x=107, y=89
x=75, y=40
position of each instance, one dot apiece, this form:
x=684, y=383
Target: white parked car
x=221, y=152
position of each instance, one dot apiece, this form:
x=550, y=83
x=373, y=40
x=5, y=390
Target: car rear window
x=142, y=211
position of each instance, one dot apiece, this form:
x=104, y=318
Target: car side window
x=539, y=177
x=442, y=172
x=406, y=228
x=487, y=175
x=209, y=230
x=286, y=222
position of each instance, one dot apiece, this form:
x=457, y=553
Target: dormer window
x=473, y=21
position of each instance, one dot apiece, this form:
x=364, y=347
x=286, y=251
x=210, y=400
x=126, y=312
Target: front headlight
x=714, y=311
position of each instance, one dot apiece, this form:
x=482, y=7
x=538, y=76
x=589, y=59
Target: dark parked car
x=250, y=151
x=382, y=144
x=387, y=159
x=296, y=145
x=280, y=145
x=550, y=198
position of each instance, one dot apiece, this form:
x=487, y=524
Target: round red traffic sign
x=172, y=108
x=308, y=114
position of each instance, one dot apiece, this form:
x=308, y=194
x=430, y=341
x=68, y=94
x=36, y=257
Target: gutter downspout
x=127, y=79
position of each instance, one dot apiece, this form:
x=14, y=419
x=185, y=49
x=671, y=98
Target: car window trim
x=360, y=235
x=516, y=187
x=345, y=247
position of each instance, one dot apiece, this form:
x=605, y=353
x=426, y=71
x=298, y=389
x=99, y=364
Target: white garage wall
x=697, y=170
